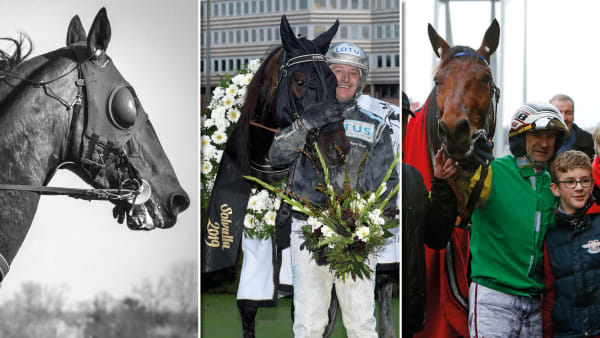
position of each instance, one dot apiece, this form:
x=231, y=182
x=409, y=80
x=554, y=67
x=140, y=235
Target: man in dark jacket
x=421, y=225
x=577, y=138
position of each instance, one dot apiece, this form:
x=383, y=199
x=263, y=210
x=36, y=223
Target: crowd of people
x=535, y=230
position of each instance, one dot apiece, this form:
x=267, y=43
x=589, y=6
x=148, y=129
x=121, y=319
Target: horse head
x=113, y=144
x=291, y=77
x=466, y=93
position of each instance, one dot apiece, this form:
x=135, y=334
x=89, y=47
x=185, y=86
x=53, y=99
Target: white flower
x=208, y=152
x=219, y=137
x=208, y=123
x=228, y=101
x=233, y=115
x=253, y=190
x=253, y=65
x=270, y=217
x=242, y=94
x=247, y=79
x=358, y=205
x=327, y=231
x=314, y=223
x=222, y=123
x=265, y=199
x=232, y=90
x=210, y=184
x=375, y=217
x=362, y=232
x=218, y=113
x=255, y=203
x=206, y=167
x=371, y=198
x=379, y=231
x=204, y=141
x=218, y=155
x=249, y=221
x=238, y=80
x=218, y=93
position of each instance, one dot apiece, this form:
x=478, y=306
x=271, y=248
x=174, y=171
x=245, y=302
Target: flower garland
x=349, y=228
x=217, y=124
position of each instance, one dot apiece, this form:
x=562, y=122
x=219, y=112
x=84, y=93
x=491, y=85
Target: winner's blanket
x=447, y=285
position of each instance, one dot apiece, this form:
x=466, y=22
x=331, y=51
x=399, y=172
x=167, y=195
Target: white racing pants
x=495, y=314
x=312, y=295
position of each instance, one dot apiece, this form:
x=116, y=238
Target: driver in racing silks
x=366, y=133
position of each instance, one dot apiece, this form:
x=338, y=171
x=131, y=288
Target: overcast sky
x=78, y=243
x=562, y=49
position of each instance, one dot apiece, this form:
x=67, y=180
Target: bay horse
x=460, y=108
x=72, y=109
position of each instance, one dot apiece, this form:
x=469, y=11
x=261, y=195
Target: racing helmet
x=535, y=116
x=347, y=53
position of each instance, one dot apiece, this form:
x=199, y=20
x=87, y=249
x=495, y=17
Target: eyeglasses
x=571, y=184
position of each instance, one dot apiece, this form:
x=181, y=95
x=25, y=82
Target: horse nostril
x=178, y=203
x=443, y=132
x=463, y=131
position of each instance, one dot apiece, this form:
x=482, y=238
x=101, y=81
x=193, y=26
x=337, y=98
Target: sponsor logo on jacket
x=359, y=129
x=592, y=246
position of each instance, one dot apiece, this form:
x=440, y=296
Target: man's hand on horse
x=444, y=167
x=483, y=149
x=319, y=114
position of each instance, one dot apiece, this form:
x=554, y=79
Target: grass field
x=220, y=318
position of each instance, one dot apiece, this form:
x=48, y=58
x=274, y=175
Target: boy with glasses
x=571, y=303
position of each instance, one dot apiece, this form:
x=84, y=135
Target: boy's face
x=573, y=199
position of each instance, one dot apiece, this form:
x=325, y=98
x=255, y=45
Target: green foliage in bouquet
x=351, y=226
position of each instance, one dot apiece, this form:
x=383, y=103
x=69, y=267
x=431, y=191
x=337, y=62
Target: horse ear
x=324, y=39
x=440, y=46
x=288, y=39
x=75, y=32
x=490, y=41
x=99, y=36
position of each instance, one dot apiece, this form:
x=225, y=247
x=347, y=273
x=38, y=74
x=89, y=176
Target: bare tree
x=183, y=286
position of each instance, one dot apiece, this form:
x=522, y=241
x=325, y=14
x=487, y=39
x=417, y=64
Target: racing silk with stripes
x=515, y=210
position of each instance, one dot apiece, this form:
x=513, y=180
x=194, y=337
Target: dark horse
x=71, y=108
x=460, y=108
x=291, y=77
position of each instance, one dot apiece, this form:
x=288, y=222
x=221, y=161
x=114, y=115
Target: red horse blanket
x=447, y=284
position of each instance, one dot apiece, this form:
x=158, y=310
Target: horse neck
x=34, y=126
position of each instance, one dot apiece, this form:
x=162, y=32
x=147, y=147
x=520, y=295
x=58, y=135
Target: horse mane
x=259, y=93
x=9, y=61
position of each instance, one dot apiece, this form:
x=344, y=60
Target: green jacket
x=509, y=226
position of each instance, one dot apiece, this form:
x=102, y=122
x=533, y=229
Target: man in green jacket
x=509, y=223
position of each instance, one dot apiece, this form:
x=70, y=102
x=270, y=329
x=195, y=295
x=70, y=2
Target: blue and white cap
x=347, y=53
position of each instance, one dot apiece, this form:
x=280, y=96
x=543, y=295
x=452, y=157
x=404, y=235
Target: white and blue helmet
x=347, y=53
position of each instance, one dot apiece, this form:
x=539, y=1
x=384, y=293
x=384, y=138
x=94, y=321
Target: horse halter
x=282, y=80
x=113, y=116
x=486, y=131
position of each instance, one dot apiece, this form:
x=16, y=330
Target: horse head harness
x=113, y=117
x=491, y=113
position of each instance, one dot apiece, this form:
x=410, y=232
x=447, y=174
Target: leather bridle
x=90, y=167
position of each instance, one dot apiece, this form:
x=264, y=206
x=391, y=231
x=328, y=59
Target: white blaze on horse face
x=348, y=78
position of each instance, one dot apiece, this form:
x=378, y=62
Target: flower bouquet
x=259, y=221
x=350, y=227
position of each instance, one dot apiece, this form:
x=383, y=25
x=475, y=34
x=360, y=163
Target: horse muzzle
x=456, y=141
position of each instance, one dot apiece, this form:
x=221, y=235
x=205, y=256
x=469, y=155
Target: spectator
x=577, y=138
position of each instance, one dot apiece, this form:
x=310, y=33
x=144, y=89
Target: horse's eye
x=300, y=82
x=437, y=82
